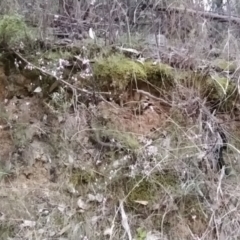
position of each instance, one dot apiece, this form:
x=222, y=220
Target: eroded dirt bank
x=70, y=150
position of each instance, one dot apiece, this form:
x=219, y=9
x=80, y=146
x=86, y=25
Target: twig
x=219, y=189
x=153, y=97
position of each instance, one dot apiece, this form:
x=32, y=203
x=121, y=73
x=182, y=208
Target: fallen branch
x=208, y=15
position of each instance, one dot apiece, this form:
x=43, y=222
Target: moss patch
x=80, y=177
x=223, y=65
x=160, y=75
x=56, y=55
x=115, y=72
x=104, y=131
x=13, y=31
x=19, y=135
x=216, y=88
x=222, y=90
x=115, y=138
x=141, y=188
x=6, y=231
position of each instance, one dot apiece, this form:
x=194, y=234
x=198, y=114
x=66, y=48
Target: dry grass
x=60, y=185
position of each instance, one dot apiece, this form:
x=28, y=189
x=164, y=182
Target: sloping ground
x=69, y=157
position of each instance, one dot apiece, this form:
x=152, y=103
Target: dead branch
x=207, y=15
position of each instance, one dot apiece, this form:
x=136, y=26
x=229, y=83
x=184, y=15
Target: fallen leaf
x=81, y=204
x=108, y=232
x=38, y=90
x=141, y=202
x=97, y=198
x=28, y=223
x=91, y=34
x=65, y=229
x=125, y=224
x=70, y=159
x=61, y=208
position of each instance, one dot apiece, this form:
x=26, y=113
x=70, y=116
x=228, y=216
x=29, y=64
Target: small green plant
x=13, y=30
x=19, y=136
x=141, y=234
x=55, y=55
x=59, y=101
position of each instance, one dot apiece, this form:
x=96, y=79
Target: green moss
x=56, y=55
x=160, y=75
x=116, y=71
x=222, y=90
x=167, y=179
x=147, y=189
x=222, y=85
x=216, y=88
x=13, y=30
x=123, y=139
x=141, y=234
x=223, y=65
x=6, y=231
x=80, y=177
x=19, y=136
x=104, y=131
x=139, y=189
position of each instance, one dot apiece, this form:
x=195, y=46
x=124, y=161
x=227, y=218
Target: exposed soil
x=54, y=177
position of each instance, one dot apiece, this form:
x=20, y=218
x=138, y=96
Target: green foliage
x=13, y=30
x=141, y=234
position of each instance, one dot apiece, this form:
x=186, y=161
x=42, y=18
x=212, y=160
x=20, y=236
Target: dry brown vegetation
x=126, y=128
